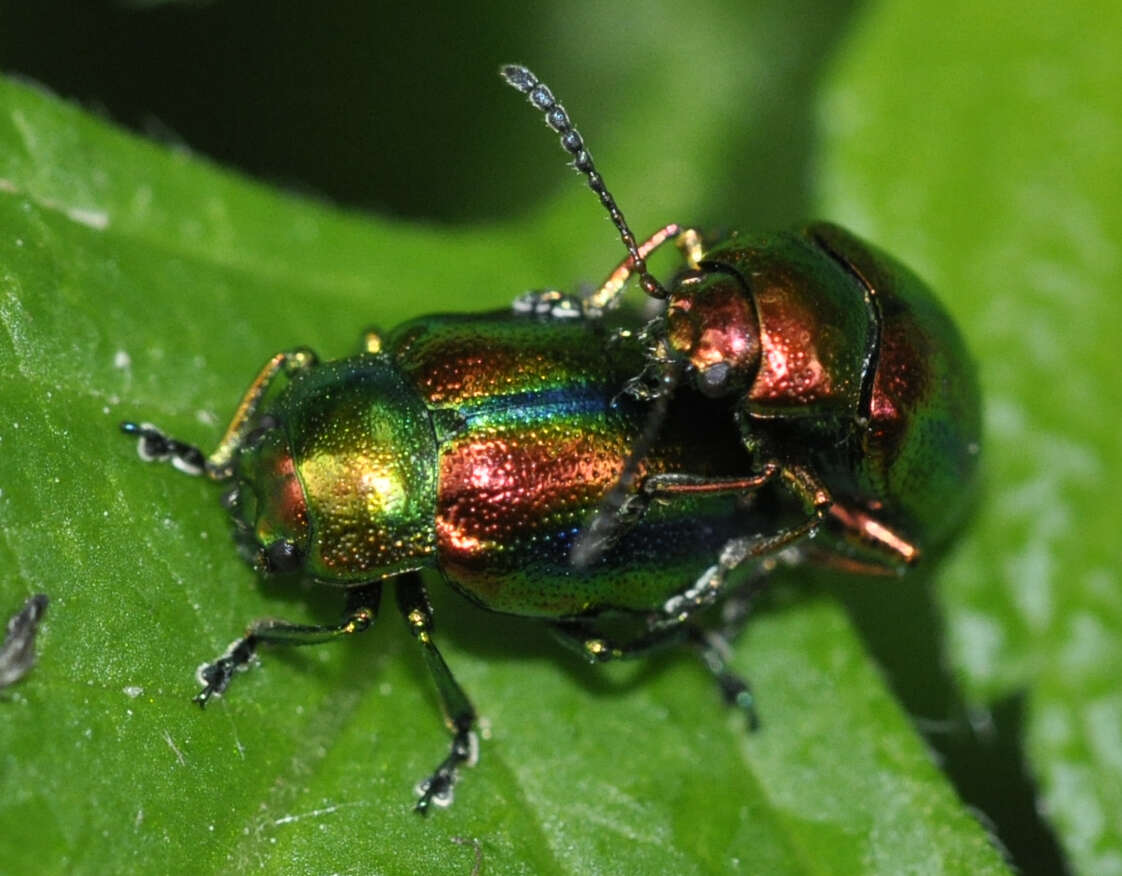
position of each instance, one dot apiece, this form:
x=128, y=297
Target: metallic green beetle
x=801, y=399
x=478, y=446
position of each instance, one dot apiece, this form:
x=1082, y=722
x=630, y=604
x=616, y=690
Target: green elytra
x=802, y=398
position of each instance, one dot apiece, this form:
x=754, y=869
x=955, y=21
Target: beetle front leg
x=361, y=611
x=712, y=584
x=554, y=304
x=459, y=714
x=623, y=504
x=154, y=445
x=611, y=290
x=550, y=303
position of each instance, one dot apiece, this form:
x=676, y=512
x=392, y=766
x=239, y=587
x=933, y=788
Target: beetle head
x=269, y=506
x=711, y=323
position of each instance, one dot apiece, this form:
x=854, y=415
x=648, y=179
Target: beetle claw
x=215, y=676
x=548, y=303
x=153, y=445
x=437, y=789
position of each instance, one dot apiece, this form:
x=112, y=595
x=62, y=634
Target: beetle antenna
x=542, y=99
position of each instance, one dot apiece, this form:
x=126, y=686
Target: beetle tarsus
x=17, y=653
x=215, y=676
x=548, y=303
x=153, y=445
x=459, y=714
x=715, y=653
x=437, y=789
x=738, y=694
x=361, y=611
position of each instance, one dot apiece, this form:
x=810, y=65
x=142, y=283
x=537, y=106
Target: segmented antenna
x=542, y=99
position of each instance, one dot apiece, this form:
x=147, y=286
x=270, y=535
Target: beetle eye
x=281, y=556
x=712, y=380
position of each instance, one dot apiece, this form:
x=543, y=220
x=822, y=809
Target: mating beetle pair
x=801, y=398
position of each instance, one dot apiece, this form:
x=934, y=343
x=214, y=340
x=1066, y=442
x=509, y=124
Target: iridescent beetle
x=802, y=398
x=847, y=380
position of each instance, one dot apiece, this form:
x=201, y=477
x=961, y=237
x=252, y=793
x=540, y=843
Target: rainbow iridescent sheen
x=481, y=446
x=919, y=455
x=862, y=377
x=540, y=437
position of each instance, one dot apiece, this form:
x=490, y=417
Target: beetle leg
x=459, y=714
x=805, y=485
x=153, y=444
x=808, y=488
x=17, y=653
x=713, y=649
x=582, y=637
x=362, y=609
x=713, y=582
x=559, y=305
x=618, y=504
x=892, y=550
x=607, y=296
x=549, y=303
x=622, y=503
x=675, y=484
x=372, y=341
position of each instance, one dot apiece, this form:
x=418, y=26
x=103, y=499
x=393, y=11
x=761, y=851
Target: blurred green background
x=981, y=144
x=396, y=109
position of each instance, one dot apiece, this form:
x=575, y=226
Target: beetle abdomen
x=540, y=437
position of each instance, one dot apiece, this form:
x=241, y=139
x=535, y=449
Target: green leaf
x=985, y=147
x=137, y=282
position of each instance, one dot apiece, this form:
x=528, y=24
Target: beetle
x=802, y=398
x=847, y=381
